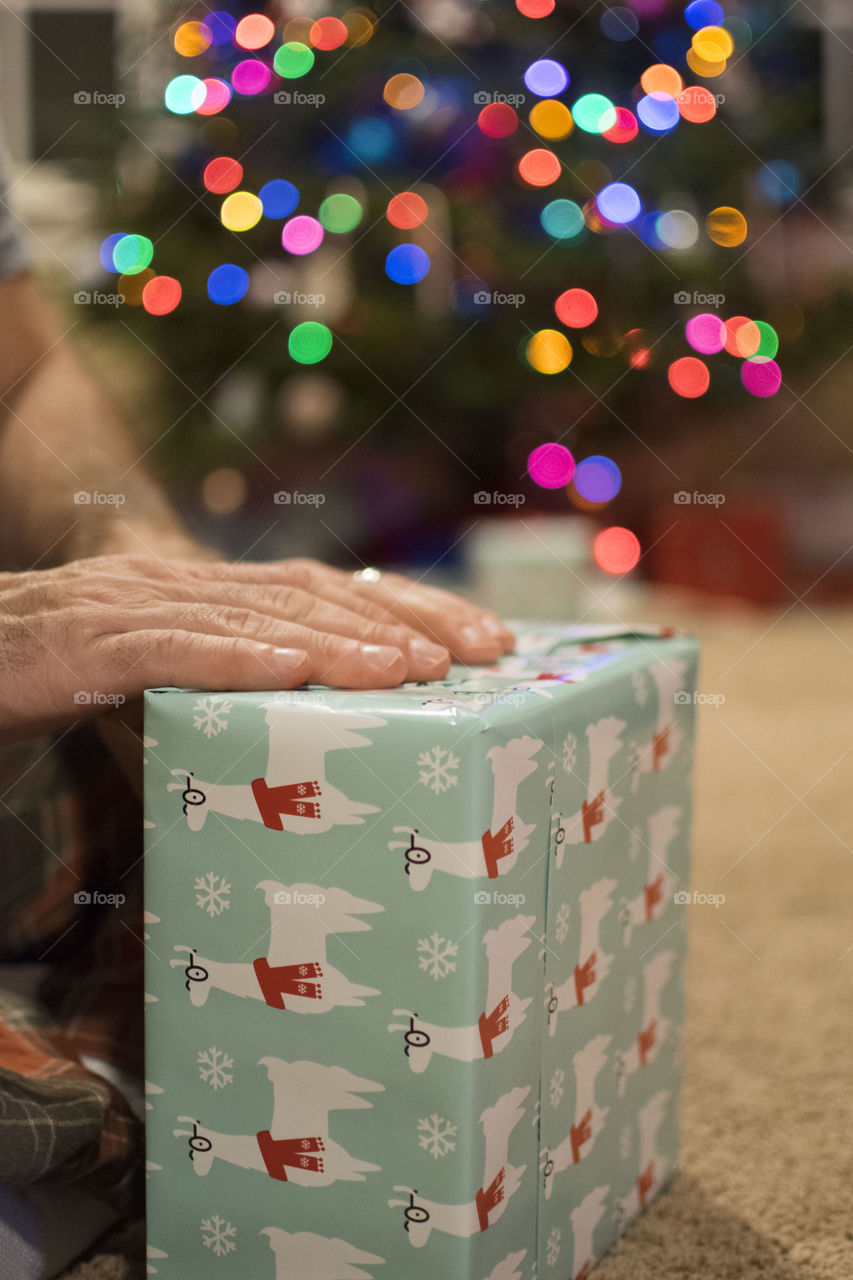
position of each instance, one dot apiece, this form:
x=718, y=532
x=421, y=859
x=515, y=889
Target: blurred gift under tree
x=426, y=397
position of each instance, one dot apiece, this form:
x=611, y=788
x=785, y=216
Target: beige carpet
x=767, y=1182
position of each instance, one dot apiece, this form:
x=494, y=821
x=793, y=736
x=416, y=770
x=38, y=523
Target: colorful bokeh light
x=403, y=91
x=498, y=120
x=302, y=234
x=618, y=203
x=250, y=76
x=551, y=119
x=546, y=78
x=407, y=210
x=625, y=129
x=597, y=478
x=562, y=219
x=340, y=213
x=222, y=175
x=593, y=113
x=661, y=78
x=548, y=351
x=161, y=295
x=278, y=198
x=616, y=550
x=706, y=333
x=184, y=94
x=254, y=31
x=689, y=377
x=191, y=39
x=328, y=33
x=241, y=211
x=293, y=59
x=310, y=342
x=551, y=465
x=539, y=167
x=407, y=264
x=658, y=112
x=132, y=254
x=697, y=104
x=619, y=23
x=227, y=284
x=576, y=308
x=726, y=226
x=761, y=376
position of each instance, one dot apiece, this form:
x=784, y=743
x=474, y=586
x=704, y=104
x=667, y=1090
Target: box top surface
x=549, y=659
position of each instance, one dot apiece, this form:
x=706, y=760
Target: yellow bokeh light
x=403, y=91
x=361, y=24
x=548, y=351
x=551, y=119
x=241, y=211
x=191, y=39
x=716, y=36
x=726, y=226
x=702, y=67
x=662, y=78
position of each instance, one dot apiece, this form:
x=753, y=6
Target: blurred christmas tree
x=427, y=395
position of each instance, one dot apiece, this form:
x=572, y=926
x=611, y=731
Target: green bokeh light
x=293, y=60
x=310, y=342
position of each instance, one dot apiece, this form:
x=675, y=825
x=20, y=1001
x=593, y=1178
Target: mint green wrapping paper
x=415, y=965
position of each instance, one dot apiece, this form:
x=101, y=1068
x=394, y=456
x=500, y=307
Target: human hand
x=78, y=638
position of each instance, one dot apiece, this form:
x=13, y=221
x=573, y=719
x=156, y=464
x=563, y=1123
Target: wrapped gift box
x=415, y=965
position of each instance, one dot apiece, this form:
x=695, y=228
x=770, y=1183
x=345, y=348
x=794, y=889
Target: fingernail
x=379, y=656
x=493, y=625
x=290, y=658
x=425, y=651
x=475, y=634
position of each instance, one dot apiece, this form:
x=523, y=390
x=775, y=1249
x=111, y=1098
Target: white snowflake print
x=562, y=926
x=641, y=687
x=629, y=994
x=437, y=769
x=212, y=894
x=552, y=1246
x=626, y=1142
x=436, y=955
x=213, y=713
x=436, y=1135
x=218, y=1235
x=556, y=1086
x=215, y=1067
x=570, y=752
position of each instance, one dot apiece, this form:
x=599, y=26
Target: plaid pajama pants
x=70, y=850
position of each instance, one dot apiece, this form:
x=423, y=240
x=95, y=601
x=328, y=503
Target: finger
x=432, y=610
x=426, y=660
x=470, y=634
x=331, y=659
x=138, y=660
x=289, y=618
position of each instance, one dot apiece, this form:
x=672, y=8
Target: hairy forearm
x=71, y=480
